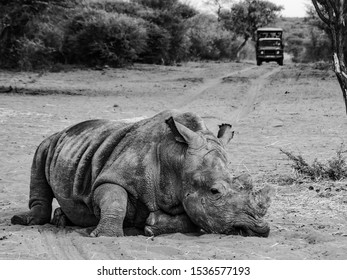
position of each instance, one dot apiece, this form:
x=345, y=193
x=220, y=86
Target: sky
x=292, y=8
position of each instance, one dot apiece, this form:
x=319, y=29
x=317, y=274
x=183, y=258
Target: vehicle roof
x=269, y=29
x=269, y=39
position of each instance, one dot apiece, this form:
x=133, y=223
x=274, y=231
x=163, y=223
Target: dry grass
x=333, y=169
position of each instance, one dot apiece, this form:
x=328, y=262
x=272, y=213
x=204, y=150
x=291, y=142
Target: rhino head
x=211, y=197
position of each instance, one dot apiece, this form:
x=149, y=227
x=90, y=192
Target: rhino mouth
x=245, y=230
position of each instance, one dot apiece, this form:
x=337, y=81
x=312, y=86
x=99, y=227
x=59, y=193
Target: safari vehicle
x=269, y=45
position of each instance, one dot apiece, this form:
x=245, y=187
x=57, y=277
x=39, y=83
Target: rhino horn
x=183, y=134
x=244, y=182
x=261, y=199
x=225, y=134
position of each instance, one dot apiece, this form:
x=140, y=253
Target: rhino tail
x=41, y=194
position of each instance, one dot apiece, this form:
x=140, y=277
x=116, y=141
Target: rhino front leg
x=110, y=205
x=160, y=223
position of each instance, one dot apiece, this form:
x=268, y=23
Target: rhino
x=163, y=174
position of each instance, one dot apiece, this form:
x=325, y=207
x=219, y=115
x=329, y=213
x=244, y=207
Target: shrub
x=41, y=47
x=170, y=16
x=31, y=30
x=158, y=44
x=41, y=33
x=318, y=47
x=33, y=54
x=119, y=7
x=157, y=4
x=97, y=37
x=334, y=169
x=209, y=40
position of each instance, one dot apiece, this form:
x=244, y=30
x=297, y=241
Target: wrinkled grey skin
x=160, y=175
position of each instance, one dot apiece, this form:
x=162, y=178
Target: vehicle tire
x=259, y=62
x=280, y=62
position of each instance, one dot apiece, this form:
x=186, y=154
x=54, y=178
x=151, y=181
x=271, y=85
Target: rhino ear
x=225, y=134
x=183, y=134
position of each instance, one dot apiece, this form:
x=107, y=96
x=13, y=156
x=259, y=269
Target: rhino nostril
x=214, y=191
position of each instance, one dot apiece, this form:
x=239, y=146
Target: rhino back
x=77, y=155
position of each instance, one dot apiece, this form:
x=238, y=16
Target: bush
x=41, y=47
x=33, y=54
x=118, y=7
x=334, y=169
x=209, y=40
x=158, y=44
x=97, y=37
x=32, y=30
x=318, y=47
x=169, y=16
x=157, y=4
x=41, y=33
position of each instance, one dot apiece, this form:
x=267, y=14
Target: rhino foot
x=29, y=218
x=60, y=219
x=106, y=232
x=22, y=219
x=107, y=227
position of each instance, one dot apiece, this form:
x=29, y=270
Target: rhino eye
x=214, y=191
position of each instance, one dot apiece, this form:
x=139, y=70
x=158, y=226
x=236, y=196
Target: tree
x=246, y=16
x=209, y=40
x=169, y=38
x=219, y=5
x=16, y=20
x=333, y=14
x=316, y=43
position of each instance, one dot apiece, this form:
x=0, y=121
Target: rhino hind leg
x=60, y=219
x=41, y=194
x=111, y=205
x=161, y=223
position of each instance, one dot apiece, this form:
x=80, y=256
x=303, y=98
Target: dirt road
x=293, y=107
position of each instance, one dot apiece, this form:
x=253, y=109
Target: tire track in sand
x=251, y=95
x=60, y=246
x=246, y=105
x=76, y=244
x=196, y=92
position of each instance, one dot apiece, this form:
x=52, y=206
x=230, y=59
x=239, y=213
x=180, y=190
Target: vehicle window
x=269, y=43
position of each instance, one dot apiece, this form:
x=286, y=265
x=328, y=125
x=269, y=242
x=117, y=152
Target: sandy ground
x=293, y=107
